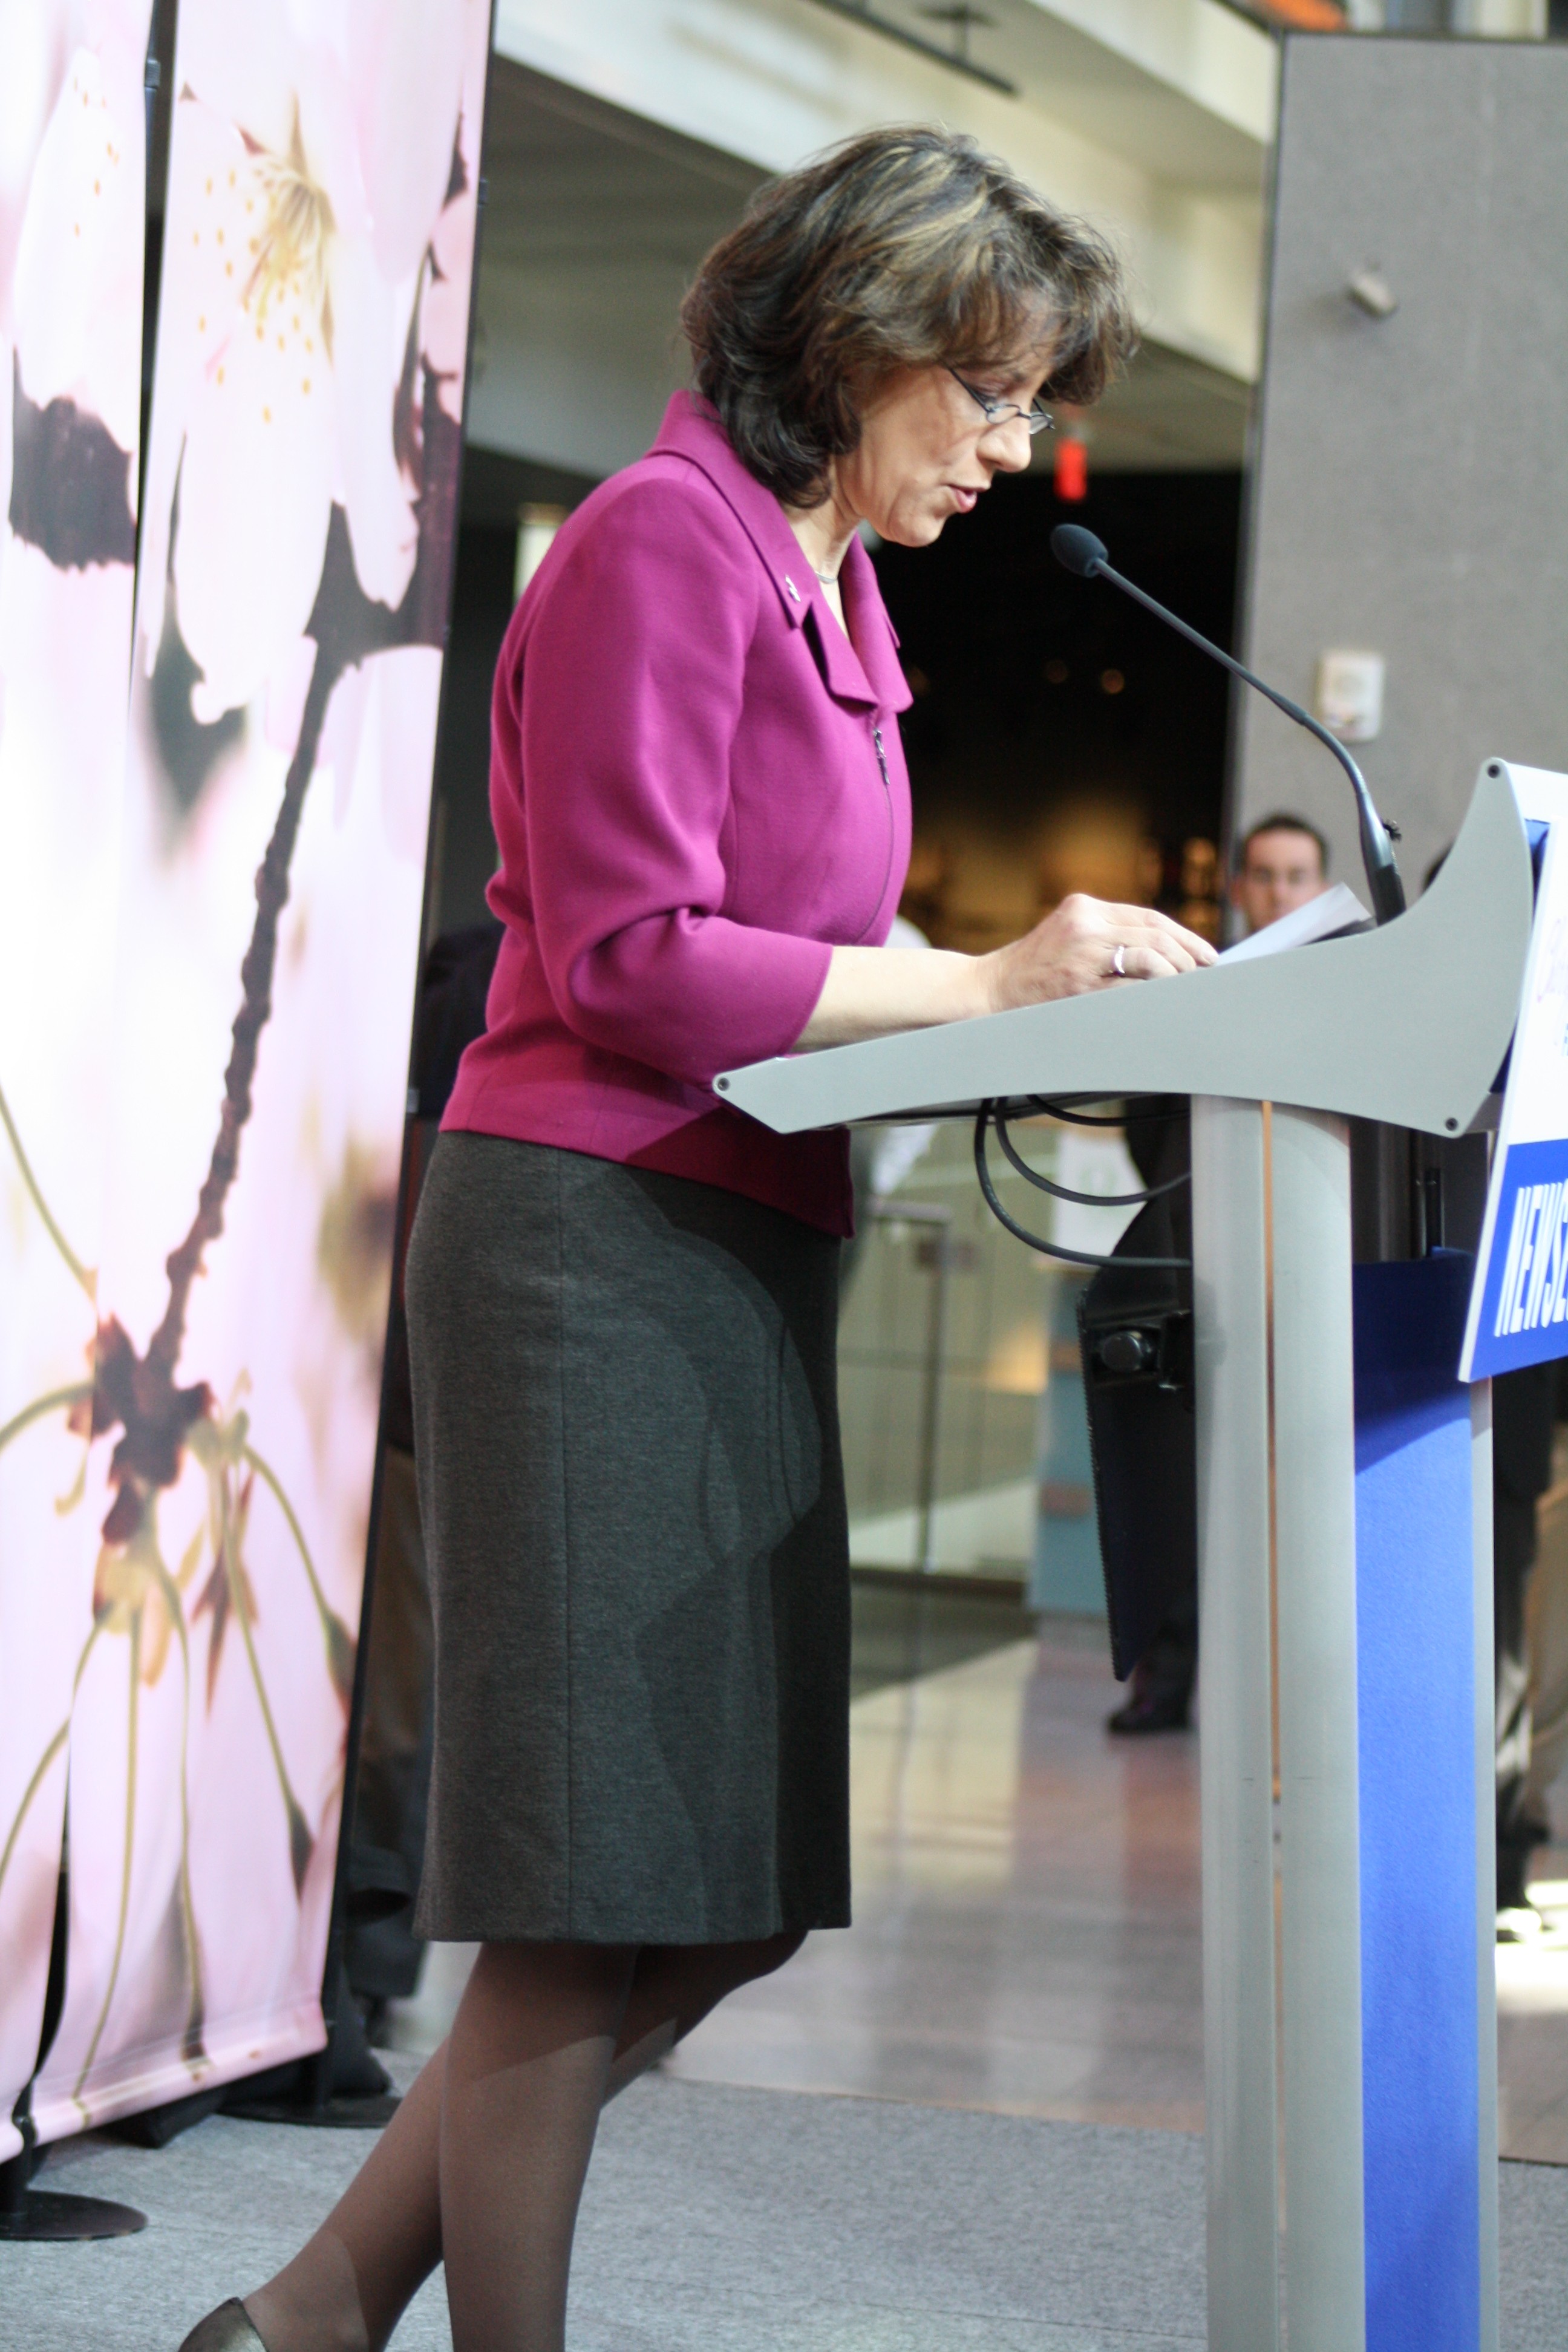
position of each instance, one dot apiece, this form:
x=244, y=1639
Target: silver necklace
x=829, y=578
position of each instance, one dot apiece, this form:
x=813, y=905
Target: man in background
x=1282, y=862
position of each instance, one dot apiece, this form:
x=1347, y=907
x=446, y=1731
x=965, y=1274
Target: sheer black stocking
x=526, y=2068
x=674, y=1986
x=484, y=2162
x=345, y=2290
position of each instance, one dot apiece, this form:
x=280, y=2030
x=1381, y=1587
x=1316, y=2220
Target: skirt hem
x=661, y=1937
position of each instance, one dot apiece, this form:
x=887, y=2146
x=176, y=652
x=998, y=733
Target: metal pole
x=1230, y=1296
x=938, y=1219
x=1319, y=1947
x=931, y=1413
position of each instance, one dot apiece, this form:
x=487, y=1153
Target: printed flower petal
x=255, y=503
x=33, y=44
x=7, y=390
x=367, y=348
x=476, y=74
x=214, y=186
x=286, y=691
x=78, y=309
x=410, y=706
x=406, y=74
x=394, y=728
x=329, y=140
x=341, y=734
x=243, y=61
x=444, y=316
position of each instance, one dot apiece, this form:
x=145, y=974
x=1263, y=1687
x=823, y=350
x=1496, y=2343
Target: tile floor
x=1028, y=1930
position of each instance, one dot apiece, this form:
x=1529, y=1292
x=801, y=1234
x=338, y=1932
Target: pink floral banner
x=72, y=205
x=293, y=589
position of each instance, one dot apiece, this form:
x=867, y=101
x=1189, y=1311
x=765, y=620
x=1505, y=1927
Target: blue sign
x=1524, y=1279
x=1519, y=1304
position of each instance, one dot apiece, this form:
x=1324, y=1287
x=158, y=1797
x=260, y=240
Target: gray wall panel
x=1411, y=486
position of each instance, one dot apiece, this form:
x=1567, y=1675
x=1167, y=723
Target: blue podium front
x=1422, y=1640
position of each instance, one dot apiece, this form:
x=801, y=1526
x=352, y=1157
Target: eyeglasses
x=1001, y=412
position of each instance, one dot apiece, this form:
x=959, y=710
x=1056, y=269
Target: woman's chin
x=916, y=529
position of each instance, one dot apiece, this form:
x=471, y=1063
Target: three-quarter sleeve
x=632, y=677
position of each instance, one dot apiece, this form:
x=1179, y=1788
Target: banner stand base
x=31, y=2216
x=343, y=2087
x=339, y=2113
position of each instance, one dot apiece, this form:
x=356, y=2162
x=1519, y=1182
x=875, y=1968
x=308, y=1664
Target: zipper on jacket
x=888, y=793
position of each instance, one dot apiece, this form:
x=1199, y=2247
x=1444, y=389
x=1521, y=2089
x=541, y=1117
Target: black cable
x=1087, y=1117
x=984, y=1118
x=1063, y=1192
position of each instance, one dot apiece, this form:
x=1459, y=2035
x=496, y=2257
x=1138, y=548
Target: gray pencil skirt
x=627, y=1433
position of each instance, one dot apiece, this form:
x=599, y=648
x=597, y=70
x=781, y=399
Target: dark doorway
x=1061, y=739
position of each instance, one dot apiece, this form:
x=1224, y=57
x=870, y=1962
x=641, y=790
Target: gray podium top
x=1409, y=1023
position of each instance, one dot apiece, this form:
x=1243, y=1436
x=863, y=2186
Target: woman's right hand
x=1088, y=943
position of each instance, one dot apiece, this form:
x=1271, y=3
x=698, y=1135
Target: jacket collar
x=867, y=672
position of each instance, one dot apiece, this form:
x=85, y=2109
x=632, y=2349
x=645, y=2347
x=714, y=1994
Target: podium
x=1344, y=1496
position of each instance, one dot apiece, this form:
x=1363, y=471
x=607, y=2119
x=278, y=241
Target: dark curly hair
x=902, y=247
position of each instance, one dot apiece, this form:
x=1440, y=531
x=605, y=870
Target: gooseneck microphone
x=1079, y=551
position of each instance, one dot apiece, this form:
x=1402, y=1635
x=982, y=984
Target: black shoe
x=226, y=2329
x=1151, y=1711
x=1513, y=1875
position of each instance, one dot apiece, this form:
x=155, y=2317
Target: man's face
x=1283, y=870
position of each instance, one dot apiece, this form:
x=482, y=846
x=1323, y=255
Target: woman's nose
x=1007, y=445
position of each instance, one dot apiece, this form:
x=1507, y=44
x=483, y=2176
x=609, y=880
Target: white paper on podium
x=1332, y=911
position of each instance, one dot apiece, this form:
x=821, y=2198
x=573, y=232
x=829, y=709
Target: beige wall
x=1411, y=495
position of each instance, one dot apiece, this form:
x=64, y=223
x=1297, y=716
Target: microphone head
x=1077, y=549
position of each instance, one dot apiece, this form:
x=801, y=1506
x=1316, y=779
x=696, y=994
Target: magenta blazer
x=697, y=791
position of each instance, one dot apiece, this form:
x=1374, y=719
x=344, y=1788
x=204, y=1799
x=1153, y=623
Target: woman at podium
x=622, y=1292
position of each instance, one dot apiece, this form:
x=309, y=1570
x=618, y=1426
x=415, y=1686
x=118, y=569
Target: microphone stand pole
x=1377, y=854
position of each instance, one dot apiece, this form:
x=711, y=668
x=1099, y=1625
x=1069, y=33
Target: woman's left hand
x=1088, y=943
x=1082, y=944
